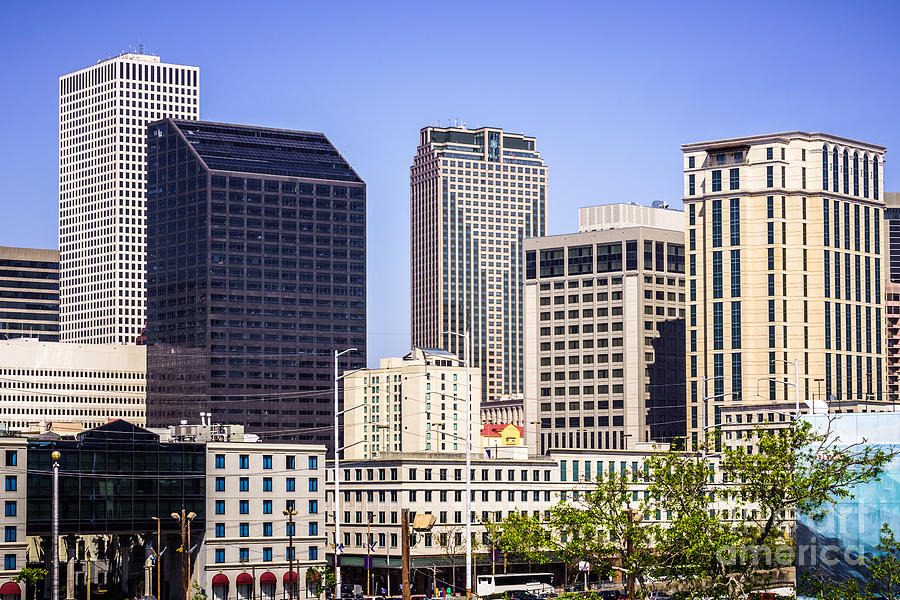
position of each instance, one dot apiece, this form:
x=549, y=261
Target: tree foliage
x=728, y=515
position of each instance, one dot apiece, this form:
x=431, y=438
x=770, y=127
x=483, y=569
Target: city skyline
x=651, y=112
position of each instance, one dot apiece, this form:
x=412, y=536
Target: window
x=220, y=507
x=267, y=507
x=313, y=528
x=290, y=484
x=220, y=461
x=846, y=169
x=220, y=555
x=734, y=176
x=717, y=223
x=9, y=562
x=313, y=462
x=10, y=508
x=313, y=484
x=313, y=507
x=717, y=181
x=267, y=554
x=717, y=273
x=244, y=484
x=11, y=483
x=244, y=461
x=313, y=553
x=9, y=533
x=692, y=185
x=267, y=530
x=220, y=484
x=825, y=168
x=243, y=554
x=267, y=461
x=717, y=325
x=290, y=553
x=244, y=507
x=267, y=484
x=734, y=221
x=735, y=325
x=770, y=153
x=735, y=273
x=770, y=176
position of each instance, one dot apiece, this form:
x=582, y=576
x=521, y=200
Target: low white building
x=86, y=385
x=249, y=538
x=410, y=404
x=13, y=544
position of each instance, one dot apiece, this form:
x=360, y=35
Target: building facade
x=252, y=548
x=476, y=194
x=892, y=296
x=604, y=327
x=410, y=404
x=43, y=384
x=103, y=113
x=256, y=274
x=785, y=272
x=14, y=545
x=504, y=410
x=29, y=294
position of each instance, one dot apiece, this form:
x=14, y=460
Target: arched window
x=856, y=174
x=865, y=175
x=875, y=177
x=825, y=168
x=834, y=169
x=846, y=166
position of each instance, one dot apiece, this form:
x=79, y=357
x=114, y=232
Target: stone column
x=71, y=543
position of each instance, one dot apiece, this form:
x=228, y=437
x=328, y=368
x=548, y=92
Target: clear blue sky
x=610, y=91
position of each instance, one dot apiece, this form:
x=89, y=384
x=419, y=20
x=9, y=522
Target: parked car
x=613, y=595
x=658, y=596
x=522, y=595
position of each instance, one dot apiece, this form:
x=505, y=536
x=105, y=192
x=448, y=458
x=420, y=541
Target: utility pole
x=634, y=516
x=87, y=556
x=184, y=519
x=369, y=554
x=55, y=456
x=404, y=548
x=434, y=580
x=290, y=515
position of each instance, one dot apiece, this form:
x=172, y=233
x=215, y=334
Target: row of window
x=266, y=530
x=865, y=229
x=244, y=507
x=244, y=554
x=290, y=484
x=553, y=262
x=845, y=170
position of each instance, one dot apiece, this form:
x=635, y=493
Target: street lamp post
x=290, y=513
x=184, y=519
x=796, y=383
x=337, y=480
x=468, y=463
x=158, y=555
x=55, y=456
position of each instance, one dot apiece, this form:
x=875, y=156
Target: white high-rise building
x=103, y=113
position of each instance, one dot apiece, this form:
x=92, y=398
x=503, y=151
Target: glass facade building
x=114, y=479
x=255, y=275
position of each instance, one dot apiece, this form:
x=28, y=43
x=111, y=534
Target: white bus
x=536, y=583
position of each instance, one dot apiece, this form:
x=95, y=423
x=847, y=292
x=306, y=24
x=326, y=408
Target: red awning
x=244, y=579
x=220, y=579
x=268, y=577
x=290, y=577
x=10, y=588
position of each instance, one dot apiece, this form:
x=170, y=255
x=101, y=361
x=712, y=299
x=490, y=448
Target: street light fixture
x=468, y=436
x=337, y=485
x=55, y=456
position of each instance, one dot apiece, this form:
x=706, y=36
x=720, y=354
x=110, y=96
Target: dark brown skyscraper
x=255, y=275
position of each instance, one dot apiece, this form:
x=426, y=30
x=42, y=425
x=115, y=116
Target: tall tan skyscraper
x=476, y=194
x=785, y=267
x=103, y=114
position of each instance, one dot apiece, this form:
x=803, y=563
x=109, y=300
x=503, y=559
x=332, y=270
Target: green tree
x=602, y=524
x=31, y=576
x=885, y=567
